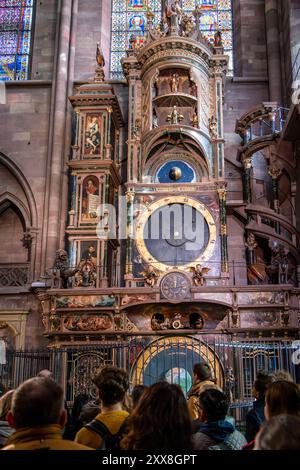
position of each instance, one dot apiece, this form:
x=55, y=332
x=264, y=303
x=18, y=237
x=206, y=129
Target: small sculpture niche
x=196, y=321
x=174, y=83
x=159, y=322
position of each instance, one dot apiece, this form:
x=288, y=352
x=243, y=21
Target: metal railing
x=234, y=364
x=265, y=127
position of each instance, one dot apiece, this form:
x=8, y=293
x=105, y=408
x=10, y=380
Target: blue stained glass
x=216, y=15
x=15, y=38
x=129, y=17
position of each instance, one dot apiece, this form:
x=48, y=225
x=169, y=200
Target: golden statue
x=150, y=276
x=174, y=83
x=194, y=120
x=198, y=274
x=174, y=117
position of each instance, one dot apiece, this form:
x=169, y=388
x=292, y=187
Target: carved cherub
x=198, y=274
x=150, y=275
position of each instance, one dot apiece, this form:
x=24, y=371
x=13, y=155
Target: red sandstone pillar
x=56, y=149
x=273, y=50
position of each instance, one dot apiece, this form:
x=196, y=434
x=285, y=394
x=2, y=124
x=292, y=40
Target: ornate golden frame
x=200, y=207
x=180, y=342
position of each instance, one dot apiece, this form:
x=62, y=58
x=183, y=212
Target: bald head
x=37, y=402
x=46, y=374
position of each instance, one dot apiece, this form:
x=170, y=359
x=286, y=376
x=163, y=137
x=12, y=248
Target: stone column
x=223, y=230
x=129, y=247
x=247, y=164
x=273, y=50
x=57, y=133
x=275, y=173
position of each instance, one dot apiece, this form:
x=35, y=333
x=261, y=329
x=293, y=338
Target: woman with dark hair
x=160, y=421
x=282, y=432
x=136, y=394
x=255, y=417
x=282, y=397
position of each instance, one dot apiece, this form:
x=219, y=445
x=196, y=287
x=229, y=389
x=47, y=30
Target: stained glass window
x=129, y=17
x=15, y=38
x=216, y=15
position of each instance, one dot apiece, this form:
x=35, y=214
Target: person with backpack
x=202, y=378
x=213, y=431
x=106, y=430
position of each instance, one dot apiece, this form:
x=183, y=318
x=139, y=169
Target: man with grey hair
x=38, y=415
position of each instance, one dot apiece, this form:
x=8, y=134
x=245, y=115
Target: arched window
x=15, y=38
x=216, y=15
x=129, y=17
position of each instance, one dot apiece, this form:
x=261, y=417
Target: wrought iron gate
x=149, y=359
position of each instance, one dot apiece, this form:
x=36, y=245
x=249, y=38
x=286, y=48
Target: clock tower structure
x=176, y=160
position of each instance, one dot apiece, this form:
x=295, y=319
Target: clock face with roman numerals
x=175, y=286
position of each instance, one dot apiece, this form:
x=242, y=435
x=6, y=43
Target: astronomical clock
x=176, y=192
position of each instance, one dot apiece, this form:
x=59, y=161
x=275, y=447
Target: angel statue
x=150, y=275
x=198, y=274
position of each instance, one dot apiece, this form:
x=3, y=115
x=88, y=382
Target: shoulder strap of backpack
x=99, y=428
x=123, y=427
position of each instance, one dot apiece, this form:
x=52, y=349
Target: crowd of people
x=154, y=418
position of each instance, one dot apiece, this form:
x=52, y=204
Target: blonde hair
x=5, y=404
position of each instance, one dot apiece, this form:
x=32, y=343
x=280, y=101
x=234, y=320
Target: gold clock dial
x=164, y=237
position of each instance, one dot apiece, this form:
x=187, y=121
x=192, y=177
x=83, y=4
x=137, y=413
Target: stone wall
x=44, y=40
x=250, y=38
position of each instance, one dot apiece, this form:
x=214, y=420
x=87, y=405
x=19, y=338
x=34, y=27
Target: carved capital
x=274, y=171
x=130, y=196
x=222, y=192
x=247, y=163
